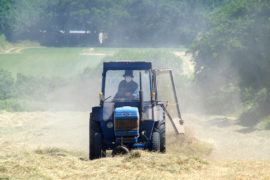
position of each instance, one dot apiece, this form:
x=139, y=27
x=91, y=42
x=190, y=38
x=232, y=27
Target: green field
x=35, y=77
x=63, y=62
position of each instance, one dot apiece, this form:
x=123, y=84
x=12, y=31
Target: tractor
x=137, y=121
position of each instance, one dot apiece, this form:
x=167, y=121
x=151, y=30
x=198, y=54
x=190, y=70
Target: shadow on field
x=220, y=122
x=247, y=130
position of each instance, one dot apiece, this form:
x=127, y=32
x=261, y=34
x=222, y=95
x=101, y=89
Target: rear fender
x=147, y=126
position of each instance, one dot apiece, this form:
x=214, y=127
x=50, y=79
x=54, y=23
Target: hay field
x=54, y=145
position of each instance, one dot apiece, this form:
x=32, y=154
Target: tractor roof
x=125, y=65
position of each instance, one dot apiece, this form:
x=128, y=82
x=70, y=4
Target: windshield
x=123, y=85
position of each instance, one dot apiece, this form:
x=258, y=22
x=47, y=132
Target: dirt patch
x=91, y=52
x=15, y=50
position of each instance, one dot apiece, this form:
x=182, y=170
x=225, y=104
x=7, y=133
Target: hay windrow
x=54, y=163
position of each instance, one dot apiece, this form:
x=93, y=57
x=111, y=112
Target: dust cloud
x=65, y=121
x=210, y=114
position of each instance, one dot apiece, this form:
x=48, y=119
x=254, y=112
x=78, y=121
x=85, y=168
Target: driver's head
x=128, y=75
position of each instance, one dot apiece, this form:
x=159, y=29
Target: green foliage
x=6, y=85
x=5, y=8
x=36, y=93
x=264, y=124
x=2, y=39
x=151, y=22
x=239, y=34
x=35, y=87
x=24, y=17
x=14, y=104
x=236, y=48
x=256, y=108
x=27, y=92
x=3, y=42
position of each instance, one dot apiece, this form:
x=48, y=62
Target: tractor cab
x=131, y=115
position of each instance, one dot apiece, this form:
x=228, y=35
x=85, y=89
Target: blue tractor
x=132, y=109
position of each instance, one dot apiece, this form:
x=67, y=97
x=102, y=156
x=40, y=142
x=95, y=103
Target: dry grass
x=57, y=133
x=188, y=144
x=54, y=163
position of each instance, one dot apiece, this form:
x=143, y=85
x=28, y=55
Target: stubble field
x=54, y=144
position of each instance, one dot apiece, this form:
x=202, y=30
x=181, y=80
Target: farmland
x=54, y=145
x=51, y=57
x=52, y=142
x=63, y=62
x=50, y=62
x=41, y=78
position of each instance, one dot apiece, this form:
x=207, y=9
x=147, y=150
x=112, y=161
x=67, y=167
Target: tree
x=150, y=22
x=236, y=49
x=5, y=8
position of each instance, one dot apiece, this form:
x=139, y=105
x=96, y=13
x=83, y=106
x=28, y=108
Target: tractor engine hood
x=126, y=121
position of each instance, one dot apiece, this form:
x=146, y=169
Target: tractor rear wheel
x=161, y=129
x=155, y=142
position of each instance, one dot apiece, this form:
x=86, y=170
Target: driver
x=127, y=89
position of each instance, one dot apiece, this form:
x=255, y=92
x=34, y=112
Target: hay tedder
x=135, y=120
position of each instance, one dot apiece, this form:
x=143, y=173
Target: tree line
x=123, y=22
x=235, y=48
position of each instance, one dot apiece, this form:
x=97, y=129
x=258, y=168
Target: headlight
x=109, y=125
